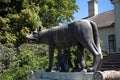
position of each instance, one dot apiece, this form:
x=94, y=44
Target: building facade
x=108, y=25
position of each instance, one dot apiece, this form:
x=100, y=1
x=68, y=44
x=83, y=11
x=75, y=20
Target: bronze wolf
x=83, y=33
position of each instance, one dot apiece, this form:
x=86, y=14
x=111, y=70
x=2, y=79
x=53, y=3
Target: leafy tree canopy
x=19, y=17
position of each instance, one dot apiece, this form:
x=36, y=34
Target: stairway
x=111, y=62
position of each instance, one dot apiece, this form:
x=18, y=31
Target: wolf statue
x=82, y=33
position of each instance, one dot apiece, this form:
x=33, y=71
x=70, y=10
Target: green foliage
x=16, y=21
x=88, y=58
x=41, y=54
x=30, y=57
x=7, y=56
x=43, y=63
x=57, y=11
x=20, y=67
x=40, y=50
x=19, y=17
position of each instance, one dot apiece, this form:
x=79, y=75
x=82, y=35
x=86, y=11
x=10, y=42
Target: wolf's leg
x=80, y=56
x=51, y=54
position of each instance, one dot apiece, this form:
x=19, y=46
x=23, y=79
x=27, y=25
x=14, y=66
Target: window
x=112, y=43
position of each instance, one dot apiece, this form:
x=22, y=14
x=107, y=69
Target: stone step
x=106, y=58
x=103, y=69
x=111, y=57
x=114, y=54
x=111, y=62
x=110, y=66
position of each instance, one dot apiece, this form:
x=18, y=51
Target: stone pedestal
x=41, y=75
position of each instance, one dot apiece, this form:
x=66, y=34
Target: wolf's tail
x=96, y=35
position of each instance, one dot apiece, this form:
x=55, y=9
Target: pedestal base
x=42, y=75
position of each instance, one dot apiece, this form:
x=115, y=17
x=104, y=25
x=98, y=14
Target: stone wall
x=116, y=4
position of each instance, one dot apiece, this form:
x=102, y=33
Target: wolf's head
x=34, y=36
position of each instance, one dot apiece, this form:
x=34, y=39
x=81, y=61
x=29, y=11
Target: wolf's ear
x=40, y=28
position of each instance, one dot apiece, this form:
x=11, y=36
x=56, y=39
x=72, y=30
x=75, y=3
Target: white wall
x=117, y=22
x=104, y=32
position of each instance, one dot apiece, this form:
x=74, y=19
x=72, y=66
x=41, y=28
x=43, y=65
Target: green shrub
x=24, y=63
